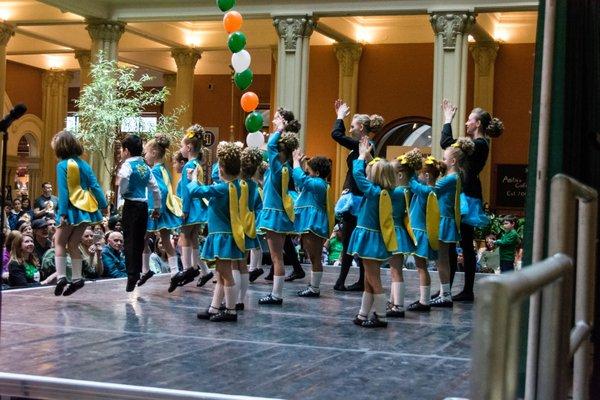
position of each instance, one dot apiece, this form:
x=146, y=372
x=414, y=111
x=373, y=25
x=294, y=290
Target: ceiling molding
x=85, y=8
x=24, y=32
x=153, y=37
x=333, y=34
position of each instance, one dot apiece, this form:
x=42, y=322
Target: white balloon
x=241, y=61
x=255, y=139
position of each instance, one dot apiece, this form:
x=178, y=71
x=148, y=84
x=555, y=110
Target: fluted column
x=186, y=59
x=449, y=69
x=105, y=36
x=484, y=54
x=55, y=97
x=84, y=58
x=170, y=82
x=292, y=64
x=348, y=56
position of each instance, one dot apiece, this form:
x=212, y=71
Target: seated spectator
x=26, y=206
x=46, y=203
x=6, y=253
x=334, y=246
x=488, y=257
x=48, y=267
x=15, y=214
x=113, y=257
x=23, y=267
x=41, y=237
x=91, y=253
x=98, y=229
x=159, y=259
x=25, y=228
x=51, y=228
x=114, y=223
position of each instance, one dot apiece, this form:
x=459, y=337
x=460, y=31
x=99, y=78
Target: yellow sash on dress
x=407, y=224
x=174, y=203
x=330, y=206
x=386, y=221
x=237, y=229
x=432, y=221
x=80, y=198
x=200, y=178
x=260, y=193
x=457, y=203
x=288, y=202
x=247, y=217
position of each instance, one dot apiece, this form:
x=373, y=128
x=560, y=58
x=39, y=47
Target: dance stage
x=306, y=349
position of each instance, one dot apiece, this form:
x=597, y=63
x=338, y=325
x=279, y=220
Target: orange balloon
x=232, y=21
x=249, y=101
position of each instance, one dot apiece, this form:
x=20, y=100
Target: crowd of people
x=414, y=206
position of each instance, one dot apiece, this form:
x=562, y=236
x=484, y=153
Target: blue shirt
x=135, y=179
x=114, y=263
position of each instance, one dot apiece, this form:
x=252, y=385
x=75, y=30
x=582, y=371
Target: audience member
x=25, y=228
x=15, y=214
x=46, y=203
x=113, y=258
x=41, y=237
x=159, y=259
x=6, y=253
x=334, y=246
x=23, y=266
x=91, y=252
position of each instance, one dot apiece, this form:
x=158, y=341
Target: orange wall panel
x=24, y=85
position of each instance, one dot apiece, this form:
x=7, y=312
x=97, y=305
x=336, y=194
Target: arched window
x=407, y=131
x=23, y=149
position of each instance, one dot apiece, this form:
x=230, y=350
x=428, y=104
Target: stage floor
x=306, y=349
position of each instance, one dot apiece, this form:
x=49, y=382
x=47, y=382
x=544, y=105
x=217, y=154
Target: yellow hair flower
x=375, y=160
x=455, y=144
x=402, y=159
x=189, y=134
x=430, y=160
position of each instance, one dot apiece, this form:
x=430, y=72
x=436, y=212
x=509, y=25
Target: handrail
x=41, y=387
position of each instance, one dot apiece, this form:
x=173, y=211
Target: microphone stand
x=4, y=133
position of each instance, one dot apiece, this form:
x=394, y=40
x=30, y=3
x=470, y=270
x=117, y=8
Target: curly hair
x=228, y=155
x=160, y=143
x=288, y=142
x=291, y=124
x=321, y=165
x=251, y=159
x=492, y=127
x=194, y=136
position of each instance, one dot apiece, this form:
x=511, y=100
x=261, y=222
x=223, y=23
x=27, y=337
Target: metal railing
x=553, y=338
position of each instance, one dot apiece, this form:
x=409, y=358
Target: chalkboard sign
x=511, y=185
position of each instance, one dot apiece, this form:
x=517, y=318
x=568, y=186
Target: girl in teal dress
x=277, y=215
x=404, y=167
x=314, y=215
x=225, y=243
x=374, y=238
x=195, y=212
x=80, y=198
x=170, y=208
x=255, y=269
x=251, y=159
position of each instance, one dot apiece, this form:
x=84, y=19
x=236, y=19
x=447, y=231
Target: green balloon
x=243, y=80
x=225, y=5
x=254, y=121
x=237, y=42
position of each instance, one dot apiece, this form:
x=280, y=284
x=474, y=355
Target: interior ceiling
x=47, y=37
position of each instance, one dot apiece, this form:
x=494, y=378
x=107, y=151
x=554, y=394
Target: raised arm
x=272, y=146
x=207, y=191
x=339, y=130
x=418, y=188
x=446, y=183
x=449, y=110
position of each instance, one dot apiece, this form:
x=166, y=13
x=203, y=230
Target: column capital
x=6, y=32
x=348, y=54
x=84, y=57
x=56, y=78
x=170, y=80
x=186, y=57
x=105, y=30
x=484, y=54
x=290, y=28
x=451, y=24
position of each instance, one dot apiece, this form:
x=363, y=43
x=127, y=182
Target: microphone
x=14, y=114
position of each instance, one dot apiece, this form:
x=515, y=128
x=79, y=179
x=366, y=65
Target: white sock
x=398, y=290
x=236, y=281
x=231, y=295
x=145, y=262
x=445, y=290
x=217, y=297
x=315, y=279
x=365, y=305
x=425, y=292
x=379, y=304
x=173, y=265
x=255, y=259
x=195, y=258
x=61, y=266
x=186, y=257
x=76, y=268
x=278, y=287
x=203, y=267
x=244, y=283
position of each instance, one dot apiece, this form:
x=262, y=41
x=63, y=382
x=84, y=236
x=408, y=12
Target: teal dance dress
x=404, y=235
x=195, y=208
x=253, y=205
x=171, y=206
x=418, y=219
x=311, y=207
x=80, y=197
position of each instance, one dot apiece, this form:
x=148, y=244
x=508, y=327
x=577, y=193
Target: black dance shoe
x=395, y=312
x=189, y=275
x=356, y=287
x=206, y=314
x=145, y=277
x=203, y=279
x=254, y=274
x=375, y=322
x=435, y=295
x=60, y=286
x=73, y=287
x=295, y=275
x=270, y=300
x=340, y=287
x=417, y=306
x=132, y=280
x=359, y=321
x=466, y=297
x=224, y=316
x=175, y=281
x=309, y=292
x=442, y=302
x=239, y=307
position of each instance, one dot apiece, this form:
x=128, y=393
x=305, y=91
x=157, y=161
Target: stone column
x=170, y=82
x=6, y=32
x=105, y=36
x=84, y=57
x=484, y=54
x=348, y=56
x=186, y=59
x=449, y=69
x=292, y=64
x=55, y=95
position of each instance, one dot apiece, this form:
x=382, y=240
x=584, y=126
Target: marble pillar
x=186, y=59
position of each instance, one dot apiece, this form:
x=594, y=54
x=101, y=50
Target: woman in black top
x=23, y=267
x=480, y=127
x=362, y=125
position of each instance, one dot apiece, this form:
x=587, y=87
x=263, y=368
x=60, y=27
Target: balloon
x=225, y=5
x=254, y=121
x=241, y=61
x=249, y=101
x=232, y=21
x=255, y=139
x=244, y=79
x=237, y=42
